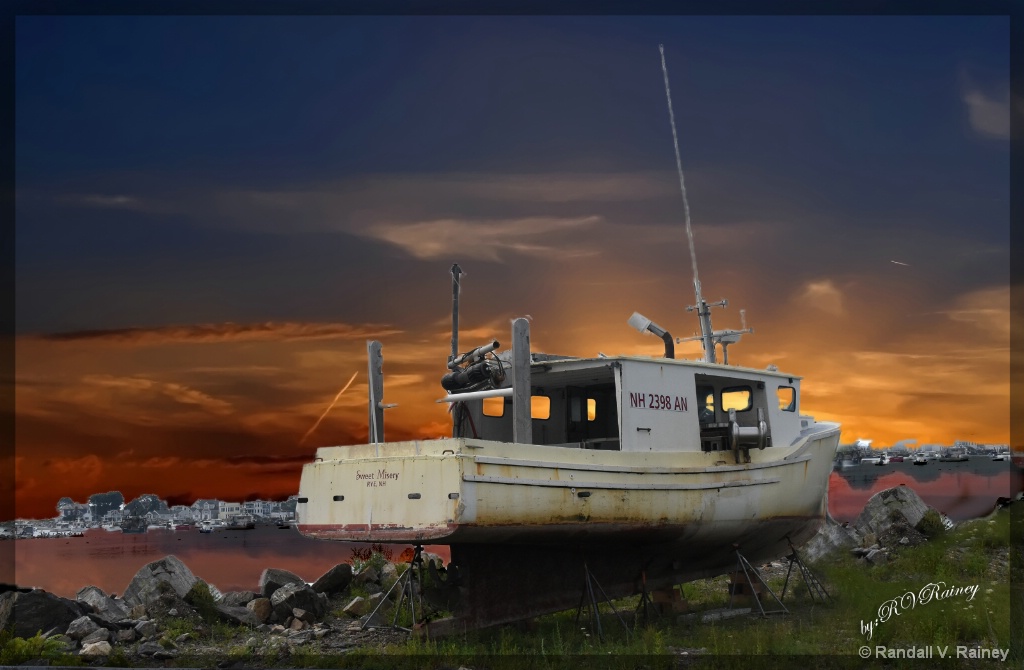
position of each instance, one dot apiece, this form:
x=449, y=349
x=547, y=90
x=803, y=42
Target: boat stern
x=402, y=492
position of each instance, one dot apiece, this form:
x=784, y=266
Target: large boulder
x=886, y=507
x=103, y=606
x=154, y=579
x=274, y=578
x=334, y=580
x=82, y=627
x=261, y=607
x=831, y=536
x=291, y=596
x=26, y=614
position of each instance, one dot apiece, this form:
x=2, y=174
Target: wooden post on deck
x=376, y=383
x=522, y=423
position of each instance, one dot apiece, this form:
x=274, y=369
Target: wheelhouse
x=636, y=404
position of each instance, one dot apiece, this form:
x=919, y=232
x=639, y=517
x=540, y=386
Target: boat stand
x=409, y=591
x=590, y=596
x=750, y=573
x=644, y=607
x=814, y=585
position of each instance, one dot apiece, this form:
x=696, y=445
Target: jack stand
x=743, y=566
x=814, y=585
x=415, y=572
x=645, y=605
x=589, y=582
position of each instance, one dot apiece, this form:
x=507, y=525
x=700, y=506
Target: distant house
x=230, y=509
x=206, y=509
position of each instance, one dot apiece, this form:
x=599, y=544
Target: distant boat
x=882, y=459
x=133, y=524
x=206, y=527
x=241, y=522
x=953, y=456
x=920, y=459
x=895, y=459
x=1001, y=456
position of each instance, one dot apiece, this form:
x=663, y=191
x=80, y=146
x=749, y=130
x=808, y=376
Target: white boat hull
x=456, y=491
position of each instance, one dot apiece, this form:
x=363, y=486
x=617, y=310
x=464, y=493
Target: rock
x=334, y=580
x=98, y=635
x=357, y=607
x=367, y=575
x=831, y=536
x=104, y=606
x=261, y=607
x=149, y=648
x=374, y=601
x=165, y=654
x=904, y=540
x=274, y=578
x=81, y=627
x=125, y=636
x=146, y=628
x=290, y=596
x=238, y=598
x=157, y=578
x=137, y=612
x=388, y=575
x=878, y=514
x=302, y=615
x=96, y=649
x=297, y=624
x=28, y=613
x=238, y=615
x=182, y=639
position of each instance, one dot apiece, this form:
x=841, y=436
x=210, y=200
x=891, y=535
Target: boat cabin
x=640, y=404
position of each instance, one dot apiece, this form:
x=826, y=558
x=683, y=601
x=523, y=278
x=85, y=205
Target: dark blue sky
x=858, y=120
x=311, y=179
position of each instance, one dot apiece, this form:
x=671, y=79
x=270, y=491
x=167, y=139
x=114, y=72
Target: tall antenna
x=702, y=307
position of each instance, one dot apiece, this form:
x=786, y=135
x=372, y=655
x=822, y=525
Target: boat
x=895, y=459
x=241, y=522
x=1001, y=456
x=631, y=469
x=134, y=524
x=206, y=527
x=881, y=459
x=953, y=456
x=920, y=459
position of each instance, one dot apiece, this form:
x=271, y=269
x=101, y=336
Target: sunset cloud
x=493, y=240
x=223, y=332
x=825, y=296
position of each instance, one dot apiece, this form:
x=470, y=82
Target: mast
x=456, y=271
x=702, y=307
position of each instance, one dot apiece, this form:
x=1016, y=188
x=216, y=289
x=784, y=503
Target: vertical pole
x=522, y=423
x=456, y=272
x=376, y=377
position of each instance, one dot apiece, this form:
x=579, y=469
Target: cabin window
x=576, y=408
x=787, y=398
x=494, y=407
x=540, y=407
x=706, y=403
x=739, y=398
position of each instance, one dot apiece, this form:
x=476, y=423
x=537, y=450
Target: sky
x=214, y=214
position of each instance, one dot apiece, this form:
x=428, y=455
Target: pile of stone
x=891, y=519
x=284, y=608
